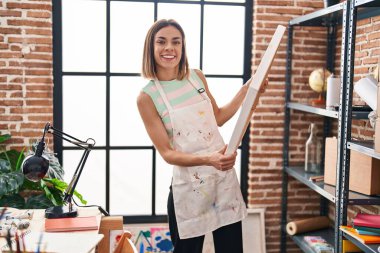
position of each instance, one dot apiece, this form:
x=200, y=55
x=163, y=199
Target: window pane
x=129, y=24
x=164, y=173
x=127, y=128
x=223, y=40
x=131, y=182
x=223, y=90
x=92, y=182
x=84, y=36
x=188, y=16
x=84, y=108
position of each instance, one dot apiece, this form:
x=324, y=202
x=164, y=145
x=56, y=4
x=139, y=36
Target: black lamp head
x=35, y=167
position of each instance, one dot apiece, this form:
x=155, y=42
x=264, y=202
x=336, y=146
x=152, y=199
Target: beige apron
x=204, y=198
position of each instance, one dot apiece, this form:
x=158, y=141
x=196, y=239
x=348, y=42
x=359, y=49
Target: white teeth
x=168, y=56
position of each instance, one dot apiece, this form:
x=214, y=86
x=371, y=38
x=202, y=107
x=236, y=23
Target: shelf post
x=284, y=199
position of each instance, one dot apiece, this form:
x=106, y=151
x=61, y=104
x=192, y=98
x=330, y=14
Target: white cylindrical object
x=367, y=90
x=333, y=92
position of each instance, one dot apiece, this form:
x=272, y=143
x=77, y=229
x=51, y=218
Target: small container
x=313, y=152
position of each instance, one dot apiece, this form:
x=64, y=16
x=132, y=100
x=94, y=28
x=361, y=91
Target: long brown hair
x=149, y=64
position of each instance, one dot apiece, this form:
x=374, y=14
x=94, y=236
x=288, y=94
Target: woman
x=182, y=119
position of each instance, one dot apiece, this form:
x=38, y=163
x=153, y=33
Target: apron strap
x=200, y=90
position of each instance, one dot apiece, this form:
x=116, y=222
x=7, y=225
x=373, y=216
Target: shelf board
x=327, y=234
x=364, y=147
x=311, y=109
x=356, y=114
x=368, y=248
x=323, y=189
x=322, y=17
x=328, y=191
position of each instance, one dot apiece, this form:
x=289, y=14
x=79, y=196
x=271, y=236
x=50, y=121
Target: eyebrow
x=164, y=38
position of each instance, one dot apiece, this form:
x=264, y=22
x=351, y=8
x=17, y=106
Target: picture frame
x=253, y=227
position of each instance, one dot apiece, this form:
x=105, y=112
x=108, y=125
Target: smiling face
x=168, y=50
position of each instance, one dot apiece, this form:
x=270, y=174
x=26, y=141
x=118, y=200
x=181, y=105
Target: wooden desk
x=67, y=242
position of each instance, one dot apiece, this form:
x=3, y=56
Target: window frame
x=58, y=105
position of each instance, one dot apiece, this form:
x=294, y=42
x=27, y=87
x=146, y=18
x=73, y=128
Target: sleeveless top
x=180, y=93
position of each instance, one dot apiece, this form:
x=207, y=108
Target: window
x=97, y=61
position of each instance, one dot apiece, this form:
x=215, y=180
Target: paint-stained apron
x=204, y=198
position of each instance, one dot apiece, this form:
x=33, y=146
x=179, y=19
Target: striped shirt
x=180, y=93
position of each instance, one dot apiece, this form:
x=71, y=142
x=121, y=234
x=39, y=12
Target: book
x=71, y=224
x=374, y=230
x=366, y=239
x=364, y=232
x=367, y=220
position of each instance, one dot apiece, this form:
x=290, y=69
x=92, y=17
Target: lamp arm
x=74, y=180
x=86, y=145
x=79, y=143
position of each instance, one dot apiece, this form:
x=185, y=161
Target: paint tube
x=4, y=231
x=25, y=215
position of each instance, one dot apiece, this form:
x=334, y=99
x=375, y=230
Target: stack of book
x=366, y=228
x=318, y=244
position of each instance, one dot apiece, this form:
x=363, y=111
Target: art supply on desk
x=7, y=231
x=27, y=214
x=305, y=225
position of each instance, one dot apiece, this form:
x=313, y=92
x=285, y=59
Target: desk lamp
x=35, y=167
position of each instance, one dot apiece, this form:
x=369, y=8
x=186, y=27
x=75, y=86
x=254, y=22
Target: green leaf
x=5, y=166
x=15, y=201
x=13, y=156
x=4, y=137
x=10, y=182
x=80, y=197
x=48, y=193
x=38, y=202
x=19, y=160
x=60, y=185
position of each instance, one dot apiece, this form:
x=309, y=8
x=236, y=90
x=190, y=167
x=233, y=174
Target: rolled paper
x=367, y=90
x=333, y=92
x=305, y=225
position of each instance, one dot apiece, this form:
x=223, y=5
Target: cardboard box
x=364, y=170
x=377, y=135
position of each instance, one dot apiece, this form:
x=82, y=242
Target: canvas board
x=257, y=80
x=253, y=230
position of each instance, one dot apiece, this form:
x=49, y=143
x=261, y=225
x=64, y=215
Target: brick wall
x=309, y=53
x=26, y=81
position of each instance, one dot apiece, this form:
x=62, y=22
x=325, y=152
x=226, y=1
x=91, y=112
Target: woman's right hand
x=221, y=161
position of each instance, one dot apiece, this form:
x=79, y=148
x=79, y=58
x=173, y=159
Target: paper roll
x=305, y=225
x=367, y=90
x=333, y=92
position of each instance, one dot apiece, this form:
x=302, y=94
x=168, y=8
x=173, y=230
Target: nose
x=168, y=46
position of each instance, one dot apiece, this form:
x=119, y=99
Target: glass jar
x=313, y=152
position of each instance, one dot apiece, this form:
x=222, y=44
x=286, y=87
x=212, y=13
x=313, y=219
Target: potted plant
x=18, y=192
